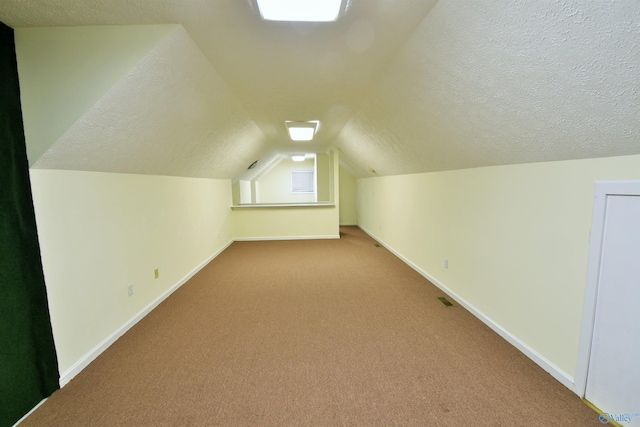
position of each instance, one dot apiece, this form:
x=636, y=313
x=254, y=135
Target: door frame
x=602, y=191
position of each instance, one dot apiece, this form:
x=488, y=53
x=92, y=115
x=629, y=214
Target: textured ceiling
x=404, y=86
x=502, y=82
x=191, y=127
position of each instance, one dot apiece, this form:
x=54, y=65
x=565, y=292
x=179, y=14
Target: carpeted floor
x=311, y=333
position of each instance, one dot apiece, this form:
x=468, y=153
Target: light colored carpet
x=311, y=333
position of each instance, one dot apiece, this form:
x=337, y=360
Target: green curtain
x=28, y=364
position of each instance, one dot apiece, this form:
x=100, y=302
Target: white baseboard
x=30, y=412
x=557, y=373
x=540, y=360
x=348, y=224
x=255, y=239
x=77, y=367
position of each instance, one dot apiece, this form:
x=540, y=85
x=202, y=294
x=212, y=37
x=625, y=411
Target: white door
x=613, y=376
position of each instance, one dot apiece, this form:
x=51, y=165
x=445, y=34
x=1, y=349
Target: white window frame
x=302, y=181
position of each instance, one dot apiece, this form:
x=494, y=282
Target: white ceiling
x=400, y=86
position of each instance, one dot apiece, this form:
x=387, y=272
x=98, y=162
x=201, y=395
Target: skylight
x=302, y=131
x=299, y=10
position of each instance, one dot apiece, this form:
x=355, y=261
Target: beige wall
x=323, y=170
x=235, y=193
x=290, y=222
x=275, y=186
x=99, y=232
x=516, y=238
x=347, y=198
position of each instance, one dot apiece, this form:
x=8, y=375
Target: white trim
x=284, y=205
x=84, y=361
x=564, y=378
x=602, y=191
x=348, y=224
x=30, y=412
x=254, y=239
x=315, y=178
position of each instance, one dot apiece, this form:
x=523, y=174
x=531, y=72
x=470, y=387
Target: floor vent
x=445, y=301
x=377, y=245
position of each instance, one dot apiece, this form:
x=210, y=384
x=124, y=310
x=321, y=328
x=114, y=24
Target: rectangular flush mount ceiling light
x=302, y=131
x=299, y=10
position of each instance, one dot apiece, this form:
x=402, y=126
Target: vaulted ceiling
x=202, y=88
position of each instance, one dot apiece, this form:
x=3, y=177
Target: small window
x=302, y=181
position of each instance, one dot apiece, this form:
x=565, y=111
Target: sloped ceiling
x=502, y=82
x=65, y=70
x=404, y=86
x=170, y=115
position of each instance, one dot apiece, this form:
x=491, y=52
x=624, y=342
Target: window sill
x=284, y=205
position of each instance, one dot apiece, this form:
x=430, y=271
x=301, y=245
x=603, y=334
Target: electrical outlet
x=156, y=273
x=130, y=289
x=446, y=263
